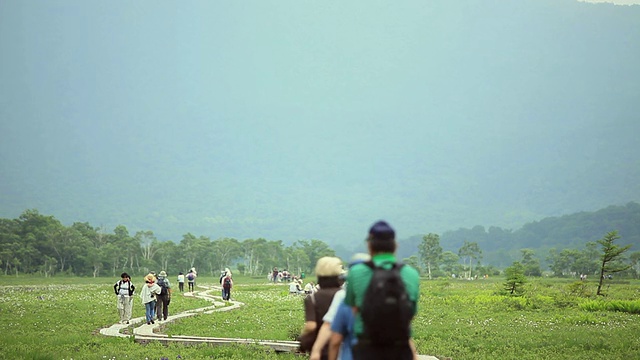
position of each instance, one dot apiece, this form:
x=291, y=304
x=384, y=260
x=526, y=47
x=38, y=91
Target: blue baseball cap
x=382, y=230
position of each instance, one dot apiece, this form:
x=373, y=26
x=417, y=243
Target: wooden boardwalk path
x=145, y=333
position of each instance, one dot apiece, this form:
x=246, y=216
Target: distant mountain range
x=501, y=247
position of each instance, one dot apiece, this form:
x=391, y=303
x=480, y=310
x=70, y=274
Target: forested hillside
x=40, y=244
x=501, y=246
x=37, y=243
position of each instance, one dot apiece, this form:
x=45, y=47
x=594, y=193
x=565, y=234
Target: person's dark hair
x=382, y=246
x=124, y=275
x=382, y=238
x=328, y=282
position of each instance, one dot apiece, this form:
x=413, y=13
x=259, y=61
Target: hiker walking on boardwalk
x=124, y=291
x=328, y=271
x=164, y=298
x=181, y=281
x=337, y=327
x=227, y=283
x=148, y=297
x=385, y=309
x=191, y=279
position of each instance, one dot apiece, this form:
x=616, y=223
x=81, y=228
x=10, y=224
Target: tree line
x=597, y=258
x=40, y=244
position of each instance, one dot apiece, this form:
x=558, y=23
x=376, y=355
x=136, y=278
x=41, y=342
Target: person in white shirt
x=148, y=297
x=309, y=288
x=181, y=281
x=294, y=288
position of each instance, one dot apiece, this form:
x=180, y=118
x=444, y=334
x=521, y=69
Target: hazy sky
x=617, y=2
x=292, y=119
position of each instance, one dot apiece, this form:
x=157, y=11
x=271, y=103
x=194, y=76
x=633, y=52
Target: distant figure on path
x=162, y=306
x=124, y=289
x=191, y=279
x=227, y=284
x=181, y=281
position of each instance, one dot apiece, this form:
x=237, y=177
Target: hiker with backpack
x=384, y=296
x=337, y=327
x=328, y=271
x=226, y=280
x=164, y=297
x=124, y=291
x=191, y=279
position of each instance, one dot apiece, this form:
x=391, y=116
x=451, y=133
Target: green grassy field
x=60, y=318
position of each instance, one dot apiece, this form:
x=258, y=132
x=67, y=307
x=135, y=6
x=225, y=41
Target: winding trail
x=144, y=333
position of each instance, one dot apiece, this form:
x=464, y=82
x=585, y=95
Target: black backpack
x=386, y=310
x=164, y=290
x=227, y=283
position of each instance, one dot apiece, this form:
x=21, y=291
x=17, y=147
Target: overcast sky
x=617, y=2
x=293, y=119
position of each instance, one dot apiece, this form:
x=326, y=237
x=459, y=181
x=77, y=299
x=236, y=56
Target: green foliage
x=450, y=263
x=579, y=288
x=40, y=244
x=626, y=306
x=470, y=320
x=414, y=262
x=515, y=279
x=468, y=252
x=530, y=263
x=611, y=253
x=430, y=252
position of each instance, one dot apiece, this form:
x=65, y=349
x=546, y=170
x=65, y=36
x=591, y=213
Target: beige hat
x=359, y=258
x=163, y=273
x=329, y=266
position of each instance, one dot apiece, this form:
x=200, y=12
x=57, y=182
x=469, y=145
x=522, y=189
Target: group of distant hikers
x=363, y=312
x=156, y=294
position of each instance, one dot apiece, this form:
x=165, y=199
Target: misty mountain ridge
x=501, y=247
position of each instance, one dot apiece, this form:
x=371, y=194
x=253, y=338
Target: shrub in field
x=515, y=279
x=540, y=302
x=579, y=288
x=515, y=303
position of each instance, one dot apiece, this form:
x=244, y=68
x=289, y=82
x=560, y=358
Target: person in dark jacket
x=328, y=271
x=124, y=289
